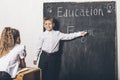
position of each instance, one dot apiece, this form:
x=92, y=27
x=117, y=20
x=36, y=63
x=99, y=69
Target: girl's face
x=48, y=25
x=18, y=40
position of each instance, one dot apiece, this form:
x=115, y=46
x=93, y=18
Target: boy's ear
x=53, y=24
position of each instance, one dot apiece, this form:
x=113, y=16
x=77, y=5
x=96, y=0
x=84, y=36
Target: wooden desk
x=31, y=74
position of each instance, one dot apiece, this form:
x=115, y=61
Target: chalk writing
x=65, y=12
x=70, y=29
x=83, y=39
x=110, y=7
x=90, y=32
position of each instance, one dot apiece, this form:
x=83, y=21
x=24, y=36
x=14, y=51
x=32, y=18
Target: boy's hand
x=35, y=62
x=83, y=33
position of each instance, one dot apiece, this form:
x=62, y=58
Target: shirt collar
x=49, y=31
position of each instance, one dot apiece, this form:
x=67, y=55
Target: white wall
x=26, y=15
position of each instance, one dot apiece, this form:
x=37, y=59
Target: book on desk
x=30, y=73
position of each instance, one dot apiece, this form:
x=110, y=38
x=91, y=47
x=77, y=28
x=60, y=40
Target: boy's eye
x=48, y=24
x=45, y=24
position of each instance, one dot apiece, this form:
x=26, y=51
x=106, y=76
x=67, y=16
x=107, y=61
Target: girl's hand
x=35, y=62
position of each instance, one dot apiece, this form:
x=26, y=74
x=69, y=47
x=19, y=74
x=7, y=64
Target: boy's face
x=48, y=25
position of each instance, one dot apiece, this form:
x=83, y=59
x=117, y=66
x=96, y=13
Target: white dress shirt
x=49, y=41
x=10, y=62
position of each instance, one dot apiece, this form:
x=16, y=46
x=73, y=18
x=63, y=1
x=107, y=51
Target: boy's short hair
x=48, y=18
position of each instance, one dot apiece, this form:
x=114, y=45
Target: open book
x=23, y=69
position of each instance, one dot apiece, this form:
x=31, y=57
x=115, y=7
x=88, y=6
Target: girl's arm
x=22, y=63
x=22, y=56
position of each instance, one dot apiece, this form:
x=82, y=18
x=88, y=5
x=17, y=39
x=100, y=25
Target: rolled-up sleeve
x=22, y=52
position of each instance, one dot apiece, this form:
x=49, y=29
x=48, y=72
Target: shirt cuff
x=35, y=59
x=78, y=34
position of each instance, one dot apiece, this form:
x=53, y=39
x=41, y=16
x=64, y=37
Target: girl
x=12, y=53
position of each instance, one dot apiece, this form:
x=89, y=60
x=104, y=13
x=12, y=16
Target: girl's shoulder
x=20, y=46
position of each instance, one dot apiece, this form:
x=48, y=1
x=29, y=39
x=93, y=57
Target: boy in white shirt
x=48, y=46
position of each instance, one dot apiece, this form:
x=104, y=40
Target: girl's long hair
x=8, y=40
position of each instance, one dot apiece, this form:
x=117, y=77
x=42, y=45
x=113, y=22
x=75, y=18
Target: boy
x=48, y=46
